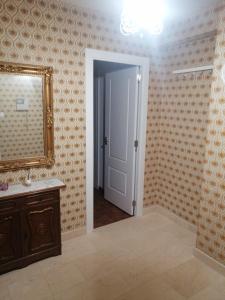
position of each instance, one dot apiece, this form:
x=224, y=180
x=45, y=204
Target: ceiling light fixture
x=142, y=15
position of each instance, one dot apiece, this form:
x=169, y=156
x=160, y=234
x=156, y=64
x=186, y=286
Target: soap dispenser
x=28, y=179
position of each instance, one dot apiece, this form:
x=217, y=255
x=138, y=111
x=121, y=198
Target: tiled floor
x=106, y=213
x=147, y=258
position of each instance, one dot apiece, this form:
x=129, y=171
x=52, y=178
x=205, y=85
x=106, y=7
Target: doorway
x=115, y=118
x=122, y=82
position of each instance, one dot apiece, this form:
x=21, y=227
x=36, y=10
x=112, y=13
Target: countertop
x=36, y=186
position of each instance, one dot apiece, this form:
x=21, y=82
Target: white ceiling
x=176, y=7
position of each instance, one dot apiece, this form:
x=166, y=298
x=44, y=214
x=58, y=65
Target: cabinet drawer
x=51, y=196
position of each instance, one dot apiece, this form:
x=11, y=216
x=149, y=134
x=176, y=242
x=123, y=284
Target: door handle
x=105, y=140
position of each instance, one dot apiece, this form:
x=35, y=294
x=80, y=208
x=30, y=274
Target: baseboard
x=73, y=234
x=170, y=215
x=211, y=262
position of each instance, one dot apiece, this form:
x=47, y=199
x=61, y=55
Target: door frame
x=143, y=62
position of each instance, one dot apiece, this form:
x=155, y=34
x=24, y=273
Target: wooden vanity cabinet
x=10, y=242
x=29, y=229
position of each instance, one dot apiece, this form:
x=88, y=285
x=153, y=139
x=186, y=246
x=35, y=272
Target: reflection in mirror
x=21, y=117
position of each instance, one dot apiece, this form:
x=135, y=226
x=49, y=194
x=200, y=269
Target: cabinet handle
x=34, y=202
x=40, y=200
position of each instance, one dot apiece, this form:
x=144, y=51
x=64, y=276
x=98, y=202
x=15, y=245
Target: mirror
x=26, y=116
x=21, y=117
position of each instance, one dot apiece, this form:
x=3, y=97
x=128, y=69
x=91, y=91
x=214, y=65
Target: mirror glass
x=21, y=116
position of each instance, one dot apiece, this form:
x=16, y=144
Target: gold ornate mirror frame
x=47, y=95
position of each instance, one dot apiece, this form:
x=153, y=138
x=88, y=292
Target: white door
x=121, y=100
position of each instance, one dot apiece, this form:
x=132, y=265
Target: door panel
x=118, y=115
x=10, y=246
x=41, y=227
x=117, y=180
x=120, y=131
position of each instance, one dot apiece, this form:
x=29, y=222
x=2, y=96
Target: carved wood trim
x=46, y=74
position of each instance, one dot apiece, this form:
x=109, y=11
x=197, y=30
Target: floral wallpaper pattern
x=184, y=105
x=211, y=227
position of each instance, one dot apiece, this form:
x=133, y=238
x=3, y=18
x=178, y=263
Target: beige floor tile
x=99, y=239
x=155, y=221
x=132, y=270
x=50, y=264
x=77, y=292
x=151, y=241
x=76, y=248
x=31, y=272
x=35, y=289
x=137, y=226
x=4, y=293
x=92, y=265
x=106, y=244
x=178, y=231
x=63, y=277
x=5, y=279
x=209, y=294
x=154, y=290
x=191, y=277
x=108, y=287
x=169, y=257
x=220, y=285
x=156, y=249
x=189, y=240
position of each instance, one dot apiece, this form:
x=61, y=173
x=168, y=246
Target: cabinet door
x=41, y=224
x=10, y=243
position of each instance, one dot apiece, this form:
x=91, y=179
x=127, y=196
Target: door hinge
x=139, y=77
x=136, y=145
x=134, y=203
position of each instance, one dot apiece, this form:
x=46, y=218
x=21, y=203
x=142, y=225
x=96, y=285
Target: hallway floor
x=146, y=258
x=105, y=212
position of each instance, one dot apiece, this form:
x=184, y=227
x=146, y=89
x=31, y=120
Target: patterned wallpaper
x=153, y=132
x=211, y=229
x=184, y=106
x=21, y=132
x=47, y=32
x=170, y=98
